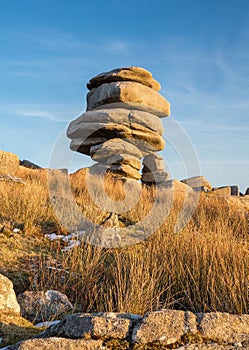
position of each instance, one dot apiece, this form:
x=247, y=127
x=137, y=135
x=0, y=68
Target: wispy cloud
x=53, y=112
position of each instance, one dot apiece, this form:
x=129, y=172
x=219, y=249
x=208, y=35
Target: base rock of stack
x=132, y=73
x=129, y=92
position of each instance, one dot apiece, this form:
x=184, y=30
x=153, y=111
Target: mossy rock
x=14, y=329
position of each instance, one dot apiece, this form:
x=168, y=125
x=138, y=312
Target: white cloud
x=52, y=112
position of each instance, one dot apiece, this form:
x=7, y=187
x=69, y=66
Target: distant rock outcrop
x=122, y=125
x=9, y=163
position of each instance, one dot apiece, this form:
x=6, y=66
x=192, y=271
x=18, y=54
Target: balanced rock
x=117, y=116
x=113, y=147
x=83, y=145
x=122, y=125
x=146, y=139
x=127, y=94
x=118, y=170
x=132, y=73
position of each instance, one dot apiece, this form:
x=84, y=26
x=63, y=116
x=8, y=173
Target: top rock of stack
x=132, y=73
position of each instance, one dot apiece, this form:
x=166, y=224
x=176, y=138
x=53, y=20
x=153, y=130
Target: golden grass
x=204, y=267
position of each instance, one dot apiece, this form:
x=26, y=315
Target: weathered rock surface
x=132, y=73
x=114, y=147
x=153, y=162
x=197, y=182
x=224, y=327
x=83, y=145
x=104, y=326
x=176, y=186
x=138, y=95
x=154, y=177
x=205, y=331
x=8, y=301
x=27, y=164
x=120, y=170
x=166, y=326
x=234, y=190
x=212, y=346
x=146, y=139
x=43, y=306
x=9, y=163
x=58, y=343
x=221, y=191
x=117, y=116
x=124, y=159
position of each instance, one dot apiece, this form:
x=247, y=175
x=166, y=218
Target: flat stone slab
x=121, y=170
x=121, y=159
x=138, y=95
x=122, y=116
x=114, y=147
x=132, y=73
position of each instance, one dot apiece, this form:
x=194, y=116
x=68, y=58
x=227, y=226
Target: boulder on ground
x=8, y=301
x=43, y=306
x=247, y=192
x=221, y=191
x=132, y=73
x=176, y=186
x=197, y=182
x=128, y=94
x=224, y=327
x=95, y=326
x=167, y=326
x=54, y=343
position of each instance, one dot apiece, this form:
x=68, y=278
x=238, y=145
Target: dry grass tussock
x=204, y=267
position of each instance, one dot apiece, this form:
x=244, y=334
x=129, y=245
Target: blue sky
x=197, y=50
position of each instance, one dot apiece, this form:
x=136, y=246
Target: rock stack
x=122, y=125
